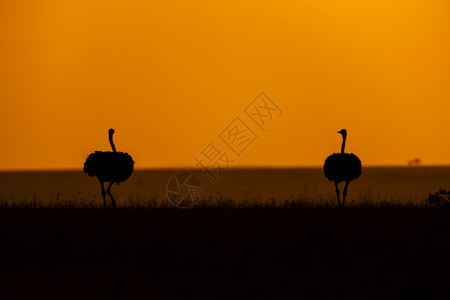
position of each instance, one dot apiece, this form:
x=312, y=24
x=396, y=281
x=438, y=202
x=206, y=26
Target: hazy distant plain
x=397, y=184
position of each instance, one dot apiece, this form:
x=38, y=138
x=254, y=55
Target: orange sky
x=169, y=76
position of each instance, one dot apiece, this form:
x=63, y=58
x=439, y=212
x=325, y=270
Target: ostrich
x=341, y=167
x=112, y=167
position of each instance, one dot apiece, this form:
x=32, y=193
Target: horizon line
x=230, y=169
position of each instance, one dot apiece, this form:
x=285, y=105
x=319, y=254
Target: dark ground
x=225, y=253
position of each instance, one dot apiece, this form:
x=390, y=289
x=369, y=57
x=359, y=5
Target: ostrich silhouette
x=112, y=167
x=341, y=167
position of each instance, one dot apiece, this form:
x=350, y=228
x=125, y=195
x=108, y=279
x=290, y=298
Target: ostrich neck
x=344, y=138
x=112, y=143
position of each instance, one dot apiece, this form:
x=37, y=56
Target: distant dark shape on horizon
x=341, y=167
x=414, y=162
x=112, y=167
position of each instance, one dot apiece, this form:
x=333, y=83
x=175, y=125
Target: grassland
x=63, y=244
x=226, y=252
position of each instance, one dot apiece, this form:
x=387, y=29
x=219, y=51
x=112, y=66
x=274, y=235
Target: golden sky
x=170, y=76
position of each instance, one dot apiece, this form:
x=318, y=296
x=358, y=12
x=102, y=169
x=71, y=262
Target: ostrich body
x=112, y=167
x=341, y=167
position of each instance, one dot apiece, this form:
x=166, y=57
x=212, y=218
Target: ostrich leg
x=108, y=190
x=337, y=193
x=344, y=194
x=102, y=184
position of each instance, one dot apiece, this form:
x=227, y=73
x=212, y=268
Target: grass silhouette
x=264, y=233
x=69, y=246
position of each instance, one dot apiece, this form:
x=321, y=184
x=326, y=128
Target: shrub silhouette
x=441, y=198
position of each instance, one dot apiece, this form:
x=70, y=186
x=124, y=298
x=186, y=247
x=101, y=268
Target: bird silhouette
x=341, y=167
x=112, y=167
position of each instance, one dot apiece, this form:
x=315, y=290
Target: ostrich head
x=344, y=137
x=111, y=132
x=343, y=132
